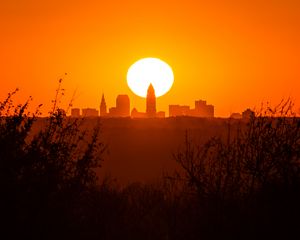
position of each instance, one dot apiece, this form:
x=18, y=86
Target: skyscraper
x=123, y=105
x=103, y=111
x=151, y=102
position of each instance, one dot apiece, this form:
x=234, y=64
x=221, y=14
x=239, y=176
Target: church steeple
x=103, y=110
x=151, y=102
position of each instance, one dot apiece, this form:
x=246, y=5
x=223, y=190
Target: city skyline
x=174, y=111
x=122, y=109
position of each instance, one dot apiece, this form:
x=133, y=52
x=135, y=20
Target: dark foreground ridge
x=141, y=149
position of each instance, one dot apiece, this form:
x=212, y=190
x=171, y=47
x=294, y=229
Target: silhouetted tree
x=250, y=178
x=44, y=175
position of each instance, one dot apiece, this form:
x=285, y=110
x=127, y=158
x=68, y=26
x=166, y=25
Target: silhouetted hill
x=141, y=149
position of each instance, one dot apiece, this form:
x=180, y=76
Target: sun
x=148, y=71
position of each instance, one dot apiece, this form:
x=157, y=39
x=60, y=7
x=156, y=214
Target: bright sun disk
x=150, y=71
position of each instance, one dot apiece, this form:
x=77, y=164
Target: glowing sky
x=234, y=54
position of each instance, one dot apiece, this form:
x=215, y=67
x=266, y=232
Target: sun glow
x=150, y=70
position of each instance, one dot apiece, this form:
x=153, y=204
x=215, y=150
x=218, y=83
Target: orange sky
x=234, y=54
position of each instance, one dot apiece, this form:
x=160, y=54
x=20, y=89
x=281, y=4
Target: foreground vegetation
x=244, y=187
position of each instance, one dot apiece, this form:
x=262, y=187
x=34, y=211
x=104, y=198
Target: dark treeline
x=244, y=187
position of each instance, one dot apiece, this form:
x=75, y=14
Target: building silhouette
x=151, y=102
x=90, y=112
x=203, y=110
x=123, y=106
x=103, y=108
x=150, y=107
x=75, y=112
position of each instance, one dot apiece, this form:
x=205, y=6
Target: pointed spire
x=103, y=110
x=103, y=99
x=151, y=89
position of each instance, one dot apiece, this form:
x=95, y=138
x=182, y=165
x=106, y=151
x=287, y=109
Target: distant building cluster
x=122, y=109
x=201, y=110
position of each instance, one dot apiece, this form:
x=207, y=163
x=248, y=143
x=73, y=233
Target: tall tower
x=103, y=111
x=151, y=102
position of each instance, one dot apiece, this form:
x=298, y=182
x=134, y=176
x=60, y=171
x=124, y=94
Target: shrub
x=250, y=179
x=44, y=175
